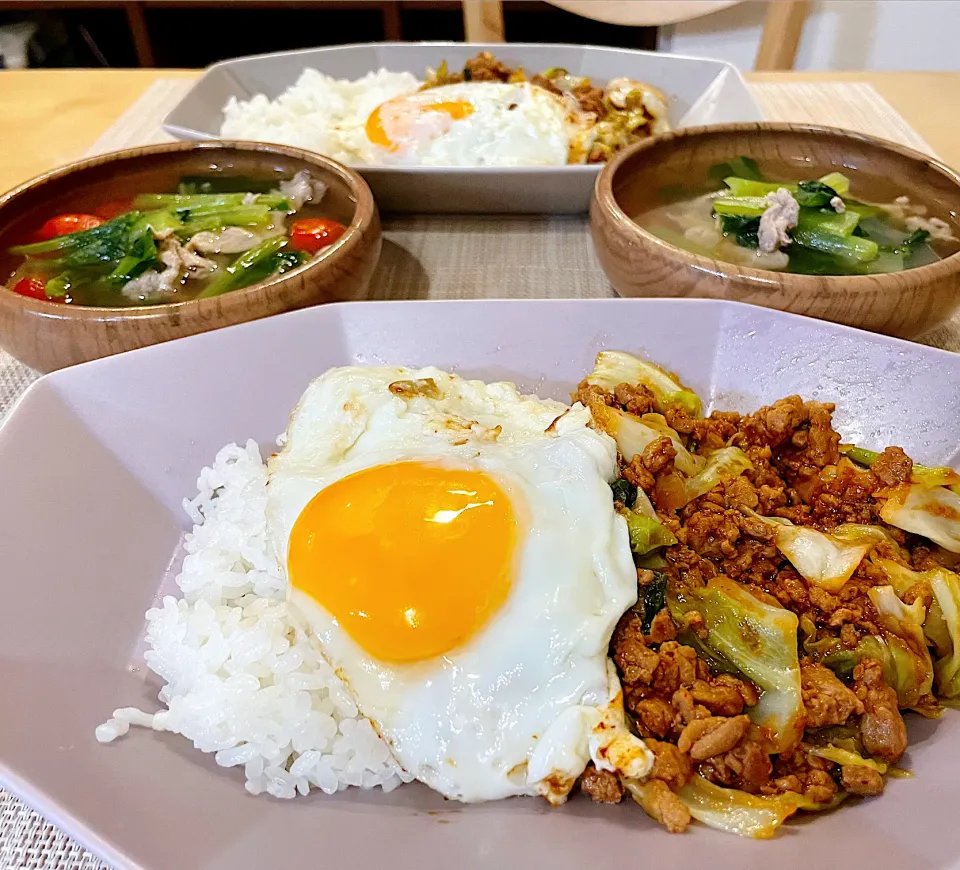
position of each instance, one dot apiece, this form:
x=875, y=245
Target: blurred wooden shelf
x=140, y=34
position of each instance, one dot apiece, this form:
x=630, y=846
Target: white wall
x=839, y=34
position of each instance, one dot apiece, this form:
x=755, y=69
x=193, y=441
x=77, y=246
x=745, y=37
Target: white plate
x=700, y=91
x=95, y=460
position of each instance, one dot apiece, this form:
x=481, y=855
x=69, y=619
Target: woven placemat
x=448, y=257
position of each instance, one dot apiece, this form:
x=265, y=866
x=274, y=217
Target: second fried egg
x=478, y=124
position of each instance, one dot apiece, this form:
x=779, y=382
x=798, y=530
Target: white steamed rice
x=243, y=679
x=318, y=112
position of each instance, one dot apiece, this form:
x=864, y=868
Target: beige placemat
x=448, y=257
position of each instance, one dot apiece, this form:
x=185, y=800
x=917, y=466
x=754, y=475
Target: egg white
x=510, y=125
x=519, y=708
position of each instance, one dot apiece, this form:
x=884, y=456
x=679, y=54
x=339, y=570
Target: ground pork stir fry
x=795, y=596
x=624, y=112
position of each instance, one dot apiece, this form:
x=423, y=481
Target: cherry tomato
x=32, y=287
x=64, y=224
x=114, y=208
x=312, y=234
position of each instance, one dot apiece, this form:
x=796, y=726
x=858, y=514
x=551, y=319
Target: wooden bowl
x=50, y=335
x=637, y=263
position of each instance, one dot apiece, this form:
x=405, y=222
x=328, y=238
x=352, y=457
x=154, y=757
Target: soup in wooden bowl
x=813, y=220
x=142, y=246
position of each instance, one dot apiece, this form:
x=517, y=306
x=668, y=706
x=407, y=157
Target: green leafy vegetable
x=614, y=367
x=647, y=534
x=915, y=240
x=654, y=596
x=255, y=265
x=624, y=492
x=740, y=206
x=209, y=184
x=141, y=255
x=838, y=181
x=205, y=201
x=742, y=167
x=759, y=640
x=826, y=221
x=849, y=247
x=107, y=243
x=740, y=187
x=744, y=229
x=202, y=220
x=814, y=194
x=60, y=285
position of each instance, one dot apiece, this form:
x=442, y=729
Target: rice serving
x=318, y=113
x=243, y=679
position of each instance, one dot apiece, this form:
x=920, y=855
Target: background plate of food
x=464, y=127
x=427, y=587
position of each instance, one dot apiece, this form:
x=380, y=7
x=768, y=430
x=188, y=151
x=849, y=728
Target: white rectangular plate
x=700, y=91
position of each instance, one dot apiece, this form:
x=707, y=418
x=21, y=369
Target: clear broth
x=680, y=213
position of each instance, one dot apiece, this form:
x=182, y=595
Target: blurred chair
x=782, y=27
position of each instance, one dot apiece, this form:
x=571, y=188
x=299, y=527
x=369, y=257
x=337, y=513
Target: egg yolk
x=411, y=559
x=400, y=115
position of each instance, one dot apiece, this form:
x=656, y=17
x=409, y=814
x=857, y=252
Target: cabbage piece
x=722, y=465
x=633, y=434
x=759, y=641
x=734, y=811
x=946, y=592
x=933, y=512
x=828, y=560
x=847, y=757
x=647, y=534
x=934, y=626
x=614, y=367
x=901, y=649
x=905, y=670
x=906, y=644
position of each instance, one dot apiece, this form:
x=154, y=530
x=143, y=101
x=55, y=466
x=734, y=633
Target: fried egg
x=478, y=124
x=453, y=547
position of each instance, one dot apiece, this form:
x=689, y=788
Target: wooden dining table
x=50, y=117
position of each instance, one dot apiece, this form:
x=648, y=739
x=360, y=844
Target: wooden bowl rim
x=604, y=197
x=363, y=218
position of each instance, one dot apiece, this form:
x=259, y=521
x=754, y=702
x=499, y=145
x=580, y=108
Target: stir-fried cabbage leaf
x=933, y=512
x=734, y=811
x=722, y=465
x=828, y=560
x=946, y=593
x=845, y=757
x=647, y=534
x=935, y=628
x=760, y=641
x=673, y=490
x=614, y=367
x=908, y=667
x=633, y=434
